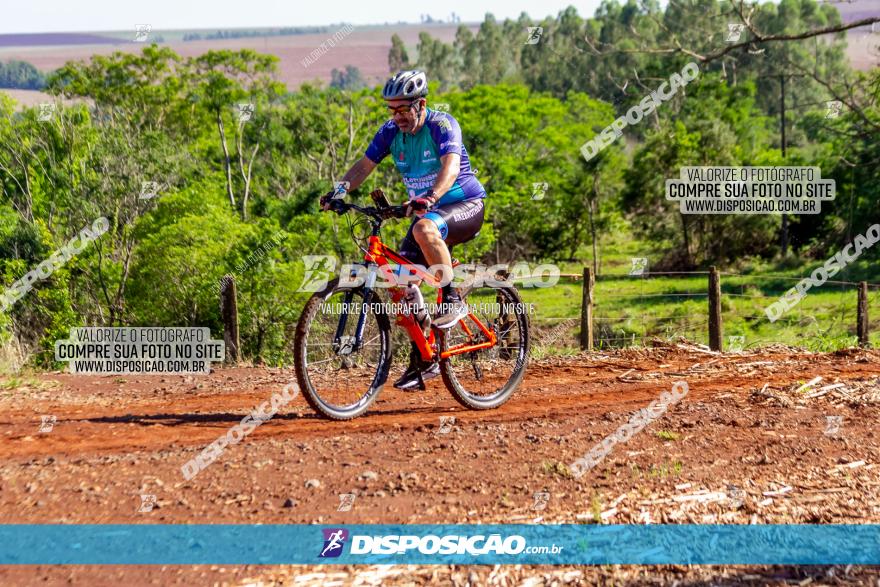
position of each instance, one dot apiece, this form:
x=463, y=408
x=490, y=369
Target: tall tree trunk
x=595, y=244
x=247, y=182
x=687, y=242
x=594, y=202
x=351, y=132
x=228, y=162
x=245, y=175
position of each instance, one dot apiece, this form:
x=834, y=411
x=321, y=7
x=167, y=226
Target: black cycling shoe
x=410, y=378
x=451, y=311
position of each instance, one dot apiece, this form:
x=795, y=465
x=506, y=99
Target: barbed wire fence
x=607, y=319
x=603, y=322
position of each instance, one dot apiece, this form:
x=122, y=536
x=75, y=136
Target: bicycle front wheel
x=486, y=378
x=340, y=373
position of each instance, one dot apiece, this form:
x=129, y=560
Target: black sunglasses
x=403, y=107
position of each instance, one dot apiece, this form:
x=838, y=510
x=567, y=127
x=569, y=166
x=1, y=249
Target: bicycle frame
x=379, y=257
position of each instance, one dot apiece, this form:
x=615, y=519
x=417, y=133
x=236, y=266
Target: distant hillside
x=863, y=48
x=366, y=48
x=54, y=39
x=857, y=10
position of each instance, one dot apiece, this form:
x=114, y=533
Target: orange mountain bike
x=344, y=344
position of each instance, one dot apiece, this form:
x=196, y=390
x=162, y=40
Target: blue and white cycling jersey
x=417, y=157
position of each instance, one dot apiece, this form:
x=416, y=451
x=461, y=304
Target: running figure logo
x=149, y=190
x=334, y=540
x=142, y=31
x=736, y=343
x=47, y=111
x=148, y=502
x=446, y=424
x=542, y=498
x=832, y=425
x=539, y=188
x=535, y=33
x=346, y=500
x=47, y=423
x=734, y=32
x=833, y=108
x=639, y=265
x=318, y=271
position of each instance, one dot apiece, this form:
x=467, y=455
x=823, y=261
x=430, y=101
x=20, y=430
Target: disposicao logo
x=471, y=545
x=334, y=540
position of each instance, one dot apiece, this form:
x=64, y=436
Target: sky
x=40, y=16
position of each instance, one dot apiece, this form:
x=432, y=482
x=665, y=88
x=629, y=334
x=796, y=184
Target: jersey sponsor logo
x=420, y=183
x=449, y=144
x=468, y=214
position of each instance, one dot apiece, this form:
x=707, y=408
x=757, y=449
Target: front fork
x=346, y=345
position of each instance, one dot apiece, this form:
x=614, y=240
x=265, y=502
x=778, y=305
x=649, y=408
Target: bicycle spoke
x=482, y=378
x=312, y=364
x=341, y=374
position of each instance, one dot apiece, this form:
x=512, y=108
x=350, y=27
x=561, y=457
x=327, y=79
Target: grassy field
x=630, y=310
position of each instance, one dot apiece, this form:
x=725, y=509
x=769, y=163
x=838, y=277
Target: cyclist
x=444, y=194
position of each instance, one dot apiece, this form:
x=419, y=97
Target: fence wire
x=614, y=328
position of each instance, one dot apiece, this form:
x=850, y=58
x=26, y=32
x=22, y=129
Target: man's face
x=404, y=113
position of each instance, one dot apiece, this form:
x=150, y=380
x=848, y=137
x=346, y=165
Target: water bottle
x=415, y=304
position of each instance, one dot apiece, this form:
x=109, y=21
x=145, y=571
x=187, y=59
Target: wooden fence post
x=715, y=325
x=229, y=313
x=862, y=314
x=587, y=311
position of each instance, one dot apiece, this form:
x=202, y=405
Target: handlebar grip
x=338, y=206
x=397, y=211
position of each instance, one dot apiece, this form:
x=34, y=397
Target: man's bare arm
x=356, y=176
x=450, y=165
x=358, y=173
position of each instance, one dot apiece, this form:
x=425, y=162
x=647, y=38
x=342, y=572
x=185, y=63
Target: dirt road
x=743, y=446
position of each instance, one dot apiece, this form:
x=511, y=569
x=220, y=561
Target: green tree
x=437, y=59
x=533, y=138
x=468, y=58
x=716, y=125
x=21, y=75
x=234, y=86
x=348, y=79
x=398, y=59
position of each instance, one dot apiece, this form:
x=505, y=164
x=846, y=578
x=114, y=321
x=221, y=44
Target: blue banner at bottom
x=169, y=544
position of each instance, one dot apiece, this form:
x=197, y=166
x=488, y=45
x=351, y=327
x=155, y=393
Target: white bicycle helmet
x=406, y=85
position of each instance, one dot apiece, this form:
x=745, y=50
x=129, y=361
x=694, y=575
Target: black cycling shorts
x=458, y=222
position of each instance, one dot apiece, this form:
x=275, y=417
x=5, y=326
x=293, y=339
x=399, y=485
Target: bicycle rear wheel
x=339, y=378
x=486, y=378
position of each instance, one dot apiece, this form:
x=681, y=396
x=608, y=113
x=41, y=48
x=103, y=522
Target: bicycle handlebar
x=379, y=214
